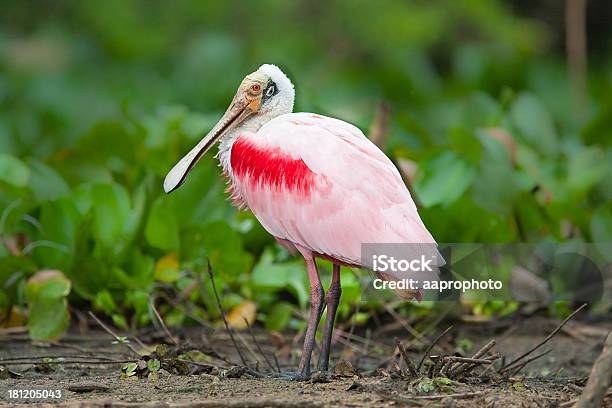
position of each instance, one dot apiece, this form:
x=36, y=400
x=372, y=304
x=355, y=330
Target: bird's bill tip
x=240, y=108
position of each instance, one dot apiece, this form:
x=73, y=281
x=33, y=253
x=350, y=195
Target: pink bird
x=315, y=183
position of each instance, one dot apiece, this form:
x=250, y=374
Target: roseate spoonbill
x=317, y=184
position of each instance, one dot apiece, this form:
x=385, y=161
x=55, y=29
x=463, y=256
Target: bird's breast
x=257, y=168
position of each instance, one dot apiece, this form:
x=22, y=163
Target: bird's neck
x=252, y=125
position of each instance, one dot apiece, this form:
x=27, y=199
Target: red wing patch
x=270, y=168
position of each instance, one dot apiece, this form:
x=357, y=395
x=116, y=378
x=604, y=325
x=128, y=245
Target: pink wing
x=320, y=183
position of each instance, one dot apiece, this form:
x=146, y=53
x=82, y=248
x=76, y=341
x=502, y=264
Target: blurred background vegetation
x=497, y=121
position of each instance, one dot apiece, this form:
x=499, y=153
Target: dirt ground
x=550, y=381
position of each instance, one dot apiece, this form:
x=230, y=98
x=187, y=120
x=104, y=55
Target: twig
x=112, y=333
x=469, y=360
x=409, y=363
x=432, y=345
x=276, y=362
x=461, y=367
x=161, y=322
x=353, y=324
x=492, y=358
x=4, y=360
x=550, y=336
x=460, y=395
x=404, y=323
x=258, y=345
x=87, y=362
x=523, y=364
x=212, y=281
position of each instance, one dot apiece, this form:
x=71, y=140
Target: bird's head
x=262, y=96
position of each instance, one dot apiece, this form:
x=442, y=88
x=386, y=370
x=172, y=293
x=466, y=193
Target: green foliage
x=92, y=122
x=46, y=294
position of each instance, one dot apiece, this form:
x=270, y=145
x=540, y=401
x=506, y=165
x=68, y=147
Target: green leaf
x=442, y=381
x=153, y=365
x=105, y=302
x=534, y=123
x=585, y=169
x=161, y=230
x=278, y=316
x=129, y=369
x=223, y=246
x=443, y=179
x=601, y=224
x=119, y=321
x=60, y=221
x=111, y=212
x=268, y=276
x=46, y=294
x=13, y=171
x=496, y=187
x=426, y=385
x=45, y=182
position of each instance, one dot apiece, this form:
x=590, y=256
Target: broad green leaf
x=59, y=220
x=139, y=267
x=223, y=247
x=601, y=224
x=201, y=199
x=443, y=179
x=13, y=171
x=496, y=187
x=45, y=182
x=105, y=302
x=13, y=272
x=111, y=209
x=586, y=168
x=534, y=123
x=46, y=294
x=279, y=315
x=119, y=321
x=269, y=276
x=161, y=230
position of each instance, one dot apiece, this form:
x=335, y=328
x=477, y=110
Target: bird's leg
x=332, y=299
x=316, y=309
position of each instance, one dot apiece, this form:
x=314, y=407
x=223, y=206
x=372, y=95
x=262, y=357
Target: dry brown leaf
x=245, y=310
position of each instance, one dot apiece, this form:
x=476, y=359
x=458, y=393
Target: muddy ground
x=550, y=381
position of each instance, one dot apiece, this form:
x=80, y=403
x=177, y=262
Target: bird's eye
x=270, y=91
x=255, y=88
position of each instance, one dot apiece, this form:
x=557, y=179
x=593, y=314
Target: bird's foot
x=290, y=376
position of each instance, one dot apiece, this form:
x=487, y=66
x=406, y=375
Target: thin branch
x=278, y=370
x=212, y=281
x=529, y=360
x=112, y=333
x=258, y=345
x=432, y=345
x=457, y=369
x=540, y=344
x=5, y=360
x=87, y=362
x=161, y=322
x=409, y=363
x=469, y=360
